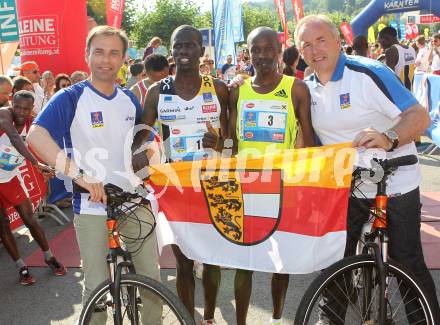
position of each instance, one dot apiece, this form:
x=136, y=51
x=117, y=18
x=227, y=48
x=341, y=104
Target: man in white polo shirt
x=361, y=100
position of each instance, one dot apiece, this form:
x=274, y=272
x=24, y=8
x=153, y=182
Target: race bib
x=263, y=121
x=9, y=159
x=186, y=143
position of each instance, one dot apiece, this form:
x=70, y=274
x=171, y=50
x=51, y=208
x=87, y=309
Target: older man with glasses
x=30, y=70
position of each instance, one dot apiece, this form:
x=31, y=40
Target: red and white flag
x=286, y=218
x=298, y=9
x=347, y=32
x=114, y=10
x=281, y=7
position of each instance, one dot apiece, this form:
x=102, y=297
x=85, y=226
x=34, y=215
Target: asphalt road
x=57, y=300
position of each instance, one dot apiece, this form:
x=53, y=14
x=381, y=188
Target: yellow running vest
x=266, y=123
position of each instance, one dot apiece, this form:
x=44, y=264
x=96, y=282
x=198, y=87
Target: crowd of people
x=97, y=111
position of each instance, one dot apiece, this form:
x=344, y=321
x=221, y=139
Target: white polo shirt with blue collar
x=100, y=130
x=363, y=93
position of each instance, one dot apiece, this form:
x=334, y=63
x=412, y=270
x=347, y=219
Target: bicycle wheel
x=143, y=301
x=348, y=293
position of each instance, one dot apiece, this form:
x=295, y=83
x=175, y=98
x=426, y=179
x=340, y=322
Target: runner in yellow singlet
x=267, y=114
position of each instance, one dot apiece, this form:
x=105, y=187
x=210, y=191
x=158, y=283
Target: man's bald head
x=187, y=29
x=262, y=32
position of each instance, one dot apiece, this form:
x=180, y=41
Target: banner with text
x=223, y=31
x=8, y=21
x=114, y=11
x=53, y=33
x=298, y=10
x=281, y=8
x=36, y=187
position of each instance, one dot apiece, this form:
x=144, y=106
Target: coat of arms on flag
x=243, y=214
x=283, y=213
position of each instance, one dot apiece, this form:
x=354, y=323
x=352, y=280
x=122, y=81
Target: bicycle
x=123, y=297
x=369, y=288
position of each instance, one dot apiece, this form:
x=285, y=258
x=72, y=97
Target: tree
x=130, y=16
x=256, y=17
x=166, y=16
x=96, y=9
x=204, y=20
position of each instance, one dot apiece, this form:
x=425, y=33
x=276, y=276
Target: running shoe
x=56, y=267
x=25, y=277
x=208, y=322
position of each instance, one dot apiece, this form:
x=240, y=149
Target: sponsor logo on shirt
x=172, y=117
x=176, y=131
x=168, y=99
x=281, y=93
x=97, y=119
x=277, y=136
x=189, y=108
x=344, y=101
x=170, y=110
x=249, y=135
x=129, y=118
x=209, y=108
x=251, y=119
x=207, y=97
x=283, y=107
x=250, y=105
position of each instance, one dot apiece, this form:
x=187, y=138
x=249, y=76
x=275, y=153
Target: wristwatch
x=79, y=173
x=392, y=137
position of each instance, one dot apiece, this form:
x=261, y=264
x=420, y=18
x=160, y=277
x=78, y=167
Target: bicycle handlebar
x=114, y=193
x=399, y=162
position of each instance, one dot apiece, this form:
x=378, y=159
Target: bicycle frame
x=380, y=252
x=117, y=259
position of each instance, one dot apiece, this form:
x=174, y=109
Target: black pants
x=405, y=247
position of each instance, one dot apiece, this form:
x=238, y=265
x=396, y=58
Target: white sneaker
x=198, y=270
x=208, y=322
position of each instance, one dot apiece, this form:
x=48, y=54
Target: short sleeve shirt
x=100, y=129
x=363, y=93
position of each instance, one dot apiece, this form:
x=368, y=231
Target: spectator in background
x=435, y=54
x=422, y=59
x=399, y=58
x=152, y=45
x=78, y=76
x=15, y=122
x=212, y=69
x=122, y=75
x=62, y=81
x=131, y=51
x=21, y=83
x=156, y=68
x=228, y=70
x=290, y=59
x=5, y=90
x=30, y=70
x=48, y=84
x=204, y=69
x=172, y=69
x=360, y=46
x=137, y=72
x=301, y=68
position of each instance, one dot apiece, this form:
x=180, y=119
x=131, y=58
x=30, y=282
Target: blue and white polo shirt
x=363, y=93
x=100, y=130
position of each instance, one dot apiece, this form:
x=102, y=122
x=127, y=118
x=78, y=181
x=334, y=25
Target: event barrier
x=429, y=95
